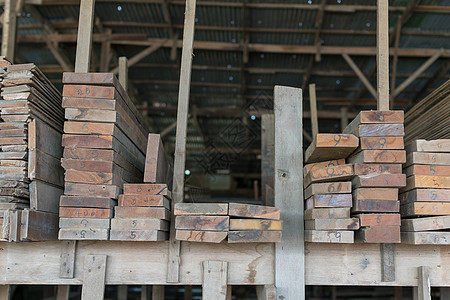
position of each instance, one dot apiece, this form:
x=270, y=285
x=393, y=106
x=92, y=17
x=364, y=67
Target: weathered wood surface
x=44, y=197
x=141, y=212
x=200, y=236
x=203, y=223
x=425, y=181
x=323, y=164
x=139, y=224
x=381, y=180
x=378, y=234
x=341, y=187
x=267, y=157
x=426, y=224
x=327, y=213
x=378, y=156
x=424, y=158
x=91, y=190
x=38, y=226
x=375, y=117
x=329, y=236
x=375, y=206
x=379, y=130
x=146, y=189
x=144, y=200
x=430, y=170
x=254, y=236
x=367, y=220
x=329, y=200
x=332, y=224
x=81, y=212
x=201, y=209
x=157, y=167
x=87, y=202
x=253, y=211
x=387, y=142
x=425, y=209
x=375, y=194
x=421, y=195
x=215, y=277
x=336, y=173
x=253, y=224
x=328, y=146
x=76, y=234
x=426, y=238
x=441, y=145
x=84, y=223
x=370, y=169
x=138, y=235
x=94, y=277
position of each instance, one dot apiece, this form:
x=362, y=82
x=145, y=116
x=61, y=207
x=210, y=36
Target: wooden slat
x=422, y=158
x=381, y=180
x=91, y=190
x=215, y=278
x=146, y=189
x=141, y=212
x=375, y=117
x=330, y=146
x=85, y=223
x=203, y=223
x=375, y=206
x=371, y=169
x=378, y=234
x=81, y=212
x=157, y=168
x=324, y=164
x=267, y=156
x=336, y=173
x=341, y=187
x=38, y=226
x=332, y=236
x=426, y=224
x=200, y=236
x=424, y=181
x=253, y=211
x=313, y=109
x=367, y=220
x=441, y=145
x=97, y=234
x=379, y=130
x=139, y=224
x=421, y=195
x=378, y=156
x=387, y=142
x=144, y=200
x=254, y=236
x=329, y=200
x=426, y=238
x=252, y=224
x=430, y=170
x=375, y=194
x=382, y=55
x=87, y=202
x=332, y=224
x=327, y=213
x=201, y=209
x=94, y=274
x=67, y=257
x=138, y=235
x=425, y=209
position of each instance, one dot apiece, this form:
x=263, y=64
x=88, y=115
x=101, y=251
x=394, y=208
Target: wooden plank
x=157, y=292
x=138, y=235
x=377, y=142
x=430, y=170
x=378, y=234
x=93, y=177
x=266, y=292
x=141, y=212
x=157, y=167
x=331, y=236
x=215, y=278
x=313, y=109
x=84, y=39
x=370, y=169
x=254, y=236
x=144, y=200
x=375, y=117
x=146, y=189
x=425, y=209
x=67, y=265
x=376, y=206
x=379, y=130
x=426, y=224
x=139, y=224
x=382, y=55
x=4, y=291
x=289, y=253
x=44, y=197
x=424, y=158
x=329, y=200
x=428, y=195
x=425, y=181
x=378, y=156
x=253, y=211
x=328, y=146
x=387, y=262
x=324, y=164
x=375, y=194
x=251, y=224
x=123, y=72
x=83, y=102
x=367, y=220
x=426, y=238
x=14, y=225
x=94, y=274
x=80, y=212
x=441, y=145
x=91, y=115
x=267, y=156
x=203, y=223
x=423, y=290
x=84, y=223
x=45, y=138
x=91, y=190
x=332, y=224
x=200, y=236
x=342, y=187
x=87, y=202
x=334, y=173
x=38, y=226
x=63, y=292
x=95, y=234
x=382, y=180
x=201, y=209
x=327, y=213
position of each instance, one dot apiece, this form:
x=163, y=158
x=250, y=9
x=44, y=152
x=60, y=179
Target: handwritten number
x=378, y=219
x=330, y=171
x=337, y=139
x=382, y=142
x=432, y=170
x=133, y=235
x=331, y=188
x=381, y=117
x=433, y=195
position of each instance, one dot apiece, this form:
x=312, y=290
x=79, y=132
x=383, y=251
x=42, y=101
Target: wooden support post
x=94, y=277
x=67, y=266
x=423, y=290
x=158, y=292
x=145, y=292
x=122, y=292
x=63, y=292
x=187, y=292
x=382, y=55
x=105, y=56
x=214, y=280
x=229, y=292
x=267, y=157
x=266, y=292
x=9, y=32
x=395, y=61
x=84, y=40
x=173, y=267
x=398, y=293
x=289, y=254
x=344, y=117
x=445, y=293
x=123, y=72
x=387, y=263
x=4, y=292
x=313, y=109
x=360, y=74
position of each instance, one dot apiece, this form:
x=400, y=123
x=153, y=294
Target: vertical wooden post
x=105, y=56
x=423, y=290
x=9, y=33
x=313, y=109
x=94, y=277
x=123, y=72
x=63, y=292
x=445, y=293
x=382, y=55
x=344, y=117
x=122, y=292
x=289, y=254
x=180, y=142
x=267, y=157
x=4, y=292
x=84, y=40
x=158, y=292
x=187, y=292
x=387, y=263
x=145, y=292
x=266, y=292
x=67, y=259
x=215, y=280
x=398, y=293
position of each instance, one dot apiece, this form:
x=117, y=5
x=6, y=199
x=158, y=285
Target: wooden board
x=441, y=145
x=138, y=235
x=253, y=224
x=144, y=200
x=426, y=238
x=332, y=224
x=377, y=142
x=371, y=169
x=378, y=156
x=329, y=200
x=323, y=164
x=336, y=173
x=328, y=146
x=38, y=226
x=424, y=181
x=426, y=224
x=44, y=167
x=83, y=234
x=44, y=197
x=375, y=194
x=254, y=236
x=80, y=212
x=92, y=177
x=421, y=195
x=341, y=187
x=146, y=189
x=430, y=170
x=87, y=202
x=95, y=103
x=327, y=213
x=331, y=236
x=379, y=130
x=157, y=167
x=139, y=224
x=376, y=117
x=91, y=190
x=382, y=180
x=203, y=223
x=253, y=211
x=375, y=206
x=423, y=158
x=368, y=220
x=141, y=212
x=200, y=236
x=84, y=223
x=201, y=209
x=87, y=165
x=378, y=234
x=425, y=209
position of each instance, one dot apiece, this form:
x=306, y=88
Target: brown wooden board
x=378, y=156
x=200, y=209
x=91, y=115
x=94, y=103
x=146, y=189
x=424, y=181
x=426, y=238
x=38, y=226
x=138, y=235
x=80, y=212
x=336, y=173
x=141, y=212
x=368, y=220
x=379, y=130
x=328, y=146
x=375, y=206
x=323, y=164
x=423, y=158
x=157, y=167
x=381, y=180
x=87, y=165
x=329, y=236
x=327, y=213
x=378, y=234
x=332, y=224
x=329, y=200
x=375, y=194
x=426, y=224
x=83, y=234
x=87, y=141
x=386, y=142
x=89, y=91
x=425, y=209
x=14, y=155
x=139, y=224
x=426, y=195
x=87, y=202
x=430, y=170
x=44, y=197
x=84, y=223
x=90, y=128
x=200, y=236
x=371, y=169
x=203, y=223
x=144, y=200
x=92, y=177
x=254, y=236
x=341, y=187
x=254, y=224
x=91, y=190
x=441, y=145
x=253, y=211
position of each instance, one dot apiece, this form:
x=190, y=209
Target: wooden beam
x=123, y=72
x=168, y=129
x=267, y=157
x=387, y=262
x=94, y=274
x=395, y=61
x=84, y=39
x=180, y=144
x=423, y=290
x=266, y=292
x=63, y=292
x=158, y=292
x=360, y=74
x=145, y=292
x=214, y=285
x=344, y=117
x=105, y=57
x=313, y=109
x=4, y=291
x=289, y=254
x=9, y=33
x=382, y=55
x=122, y=292
x=67, y=264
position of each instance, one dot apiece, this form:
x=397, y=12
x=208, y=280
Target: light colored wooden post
x=267, y=157
x=9, y=33
x=123, y=72
x=382, y=55
x=187, y=292
x=67, y=259
x=266, y=292
x=214, y=280
x=84, y=40
x=344, y=117
x=63, y=292
x=105, y=57
x=145, y=292
x=94, y=277
x=423, y=290
x=387, y=263
x=180, y=142
x=313, y=109
x=445, y=293
x=122, y=292
x=158, y=292
x=4, y=292
x=289, y=254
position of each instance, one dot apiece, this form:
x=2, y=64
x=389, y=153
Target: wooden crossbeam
x=360, y=74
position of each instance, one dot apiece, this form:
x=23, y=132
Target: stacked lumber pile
x=104, y=144
x=328, y=189
x=213, y=222
x=378, y=174
x=429, y=119
x=144, y=209
x=31, y=178
x=425, y=201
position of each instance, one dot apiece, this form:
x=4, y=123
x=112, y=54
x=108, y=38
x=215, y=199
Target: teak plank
x=375, y=194
x=386, y=142
x=203, y=223
x=342, y=187
x=96, y=128
x=80, y=212
x=441, y=145
x=329, y=200
x=368, y=220
x=95, y=103
x=84, y=223
x=375, y=206
x=200, y=236
x=378, y=156
x=144, y=200
x=87, y=202
x=336, y=173
x=141, y=212
x=138, y=235
x=323, y=164
x=253, y=211
x=91, y=190
x=87, y=165
x=424, y=181
x=426, y=224
x=100, y=234
x=146, y=189
x=327, y=146
x=139, y=224
x=87, y=141
x=430, y=170
x=327, y=213
x=157, y=167
x=379, y=117
x=253, y=224
x=379, y=234
x=370, y=169
x=421, y=195
x=379, y=130
x=254, y=236
x=38, y=226
x=91, y=177
x=332, y=224
x=426, y=238
x=44, y=197
x=425, y=209
x=201, y=209
x=381, y=180
x=424, y=158
x=330, y=236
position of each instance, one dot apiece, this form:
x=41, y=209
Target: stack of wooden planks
x=213, y=222
x=328, y=189
x=104, y=144
x=425, y=201
x=378, y=174
x=31, y=178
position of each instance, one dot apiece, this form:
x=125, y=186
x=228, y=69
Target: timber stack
x=30, y=139
x=104, y=148
x=328, y=189
x=378, y=174
x=425, y=201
